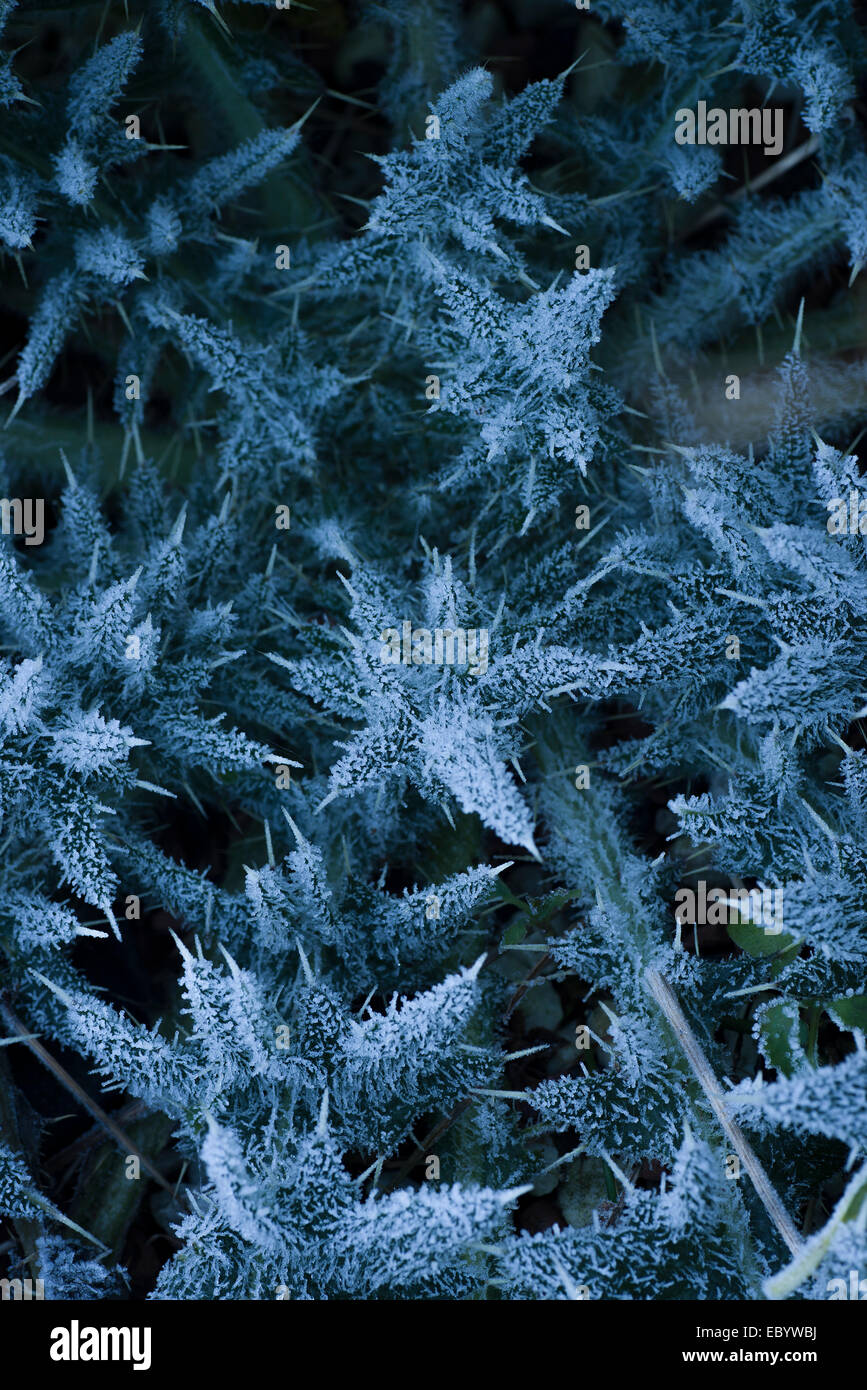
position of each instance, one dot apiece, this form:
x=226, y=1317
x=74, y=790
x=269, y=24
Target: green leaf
x=849, y=1012
x=756, y=941
x=514, y=933
x=780, y=1035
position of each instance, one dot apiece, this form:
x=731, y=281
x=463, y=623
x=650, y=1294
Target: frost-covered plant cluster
x=373, y=964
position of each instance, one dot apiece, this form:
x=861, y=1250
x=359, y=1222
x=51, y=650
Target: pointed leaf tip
x=299, y=838
x=511, y=1194
x=55, y=989
x=305, y=964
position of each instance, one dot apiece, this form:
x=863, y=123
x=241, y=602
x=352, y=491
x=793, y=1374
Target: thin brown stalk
x=108, y=1124
x=668, y=1003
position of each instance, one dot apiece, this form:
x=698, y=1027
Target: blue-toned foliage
x=418, y=575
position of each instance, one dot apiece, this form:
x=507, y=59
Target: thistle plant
x=445, y=563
